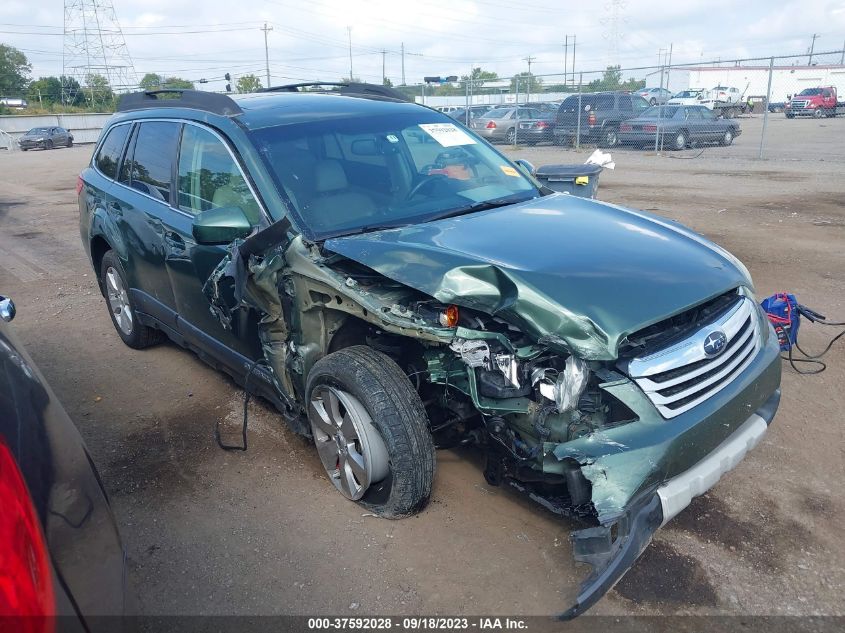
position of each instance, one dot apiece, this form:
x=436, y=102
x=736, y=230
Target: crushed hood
x=573, y=273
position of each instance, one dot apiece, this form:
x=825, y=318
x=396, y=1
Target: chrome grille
x=799, y=104
x=683, y=375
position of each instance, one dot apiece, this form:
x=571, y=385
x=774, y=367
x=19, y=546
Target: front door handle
x=174, y=240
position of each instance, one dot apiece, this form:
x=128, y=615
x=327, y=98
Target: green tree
x=479, y=76
x=248, y=83
x=527, y=83
x=97, y=90
x=177, y=83
x=14, y=71
x=387, y=82
x=151, y=81
x=45, y=91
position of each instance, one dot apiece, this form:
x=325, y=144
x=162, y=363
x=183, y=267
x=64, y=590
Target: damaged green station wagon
x=394, y=284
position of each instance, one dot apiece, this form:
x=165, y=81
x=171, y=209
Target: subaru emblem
x=715, y=344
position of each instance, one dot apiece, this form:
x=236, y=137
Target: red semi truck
x=815, y=102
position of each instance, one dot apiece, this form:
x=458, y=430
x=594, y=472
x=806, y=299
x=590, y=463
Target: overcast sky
x=198, y=39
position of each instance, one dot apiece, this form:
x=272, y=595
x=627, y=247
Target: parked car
x=815, y=102
x=600, y=115
x=655, y=96
x=539, y=130
x=389, y=295
x=726, y=94
x=678, y=127
x=60, y=551
x=46, y=138
x=686, y=97
x=499, y=124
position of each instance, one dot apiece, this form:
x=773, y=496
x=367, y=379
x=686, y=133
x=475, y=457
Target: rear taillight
x=541, y=125
x=79, y=185
x=649, y=128
x=26, y=582
x=591, y=118
x=491, y=125
x=625, y=127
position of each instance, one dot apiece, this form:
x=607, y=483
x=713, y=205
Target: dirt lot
x=263, y=532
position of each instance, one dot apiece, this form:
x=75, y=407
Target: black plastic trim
x=349, y=89
x=195, y=99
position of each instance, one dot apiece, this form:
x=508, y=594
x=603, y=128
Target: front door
x=208, y=176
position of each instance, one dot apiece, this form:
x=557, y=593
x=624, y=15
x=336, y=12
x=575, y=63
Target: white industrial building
x=753, y=80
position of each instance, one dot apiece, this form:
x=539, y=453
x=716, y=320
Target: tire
x=121, y=310
x=610, y=137
x=370, y=390
x=48, y=144
x=510, y=136
x=817, y=113
x=69, y=142
x=680, y=141
x=727, y=138
x=790, y=116
x=653, y=102
x=24, y=149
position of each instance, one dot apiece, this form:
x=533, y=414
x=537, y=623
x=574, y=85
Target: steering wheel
x=427, y=180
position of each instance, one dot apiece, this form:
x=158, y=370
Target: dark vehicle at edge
x=58, y=537
x=678, y=127
x=600, y=116
x=46, y=138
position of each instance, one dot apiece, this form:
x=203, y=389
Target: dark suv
x=600, y=114
x=394, y=284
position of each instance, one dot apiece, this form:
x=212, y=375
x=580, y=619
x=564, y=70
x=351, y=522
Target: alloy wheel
x=119, y=301
x=350, y=447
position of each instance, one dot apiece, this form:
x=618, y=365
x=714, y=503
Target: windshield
x=355, y=174
x=810, y=92
x=663, y=112
x=687, y=94
x=38, y=130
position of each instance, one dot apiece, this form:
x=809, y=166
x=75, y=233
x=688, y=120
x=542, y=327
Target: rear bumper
x=612, y=557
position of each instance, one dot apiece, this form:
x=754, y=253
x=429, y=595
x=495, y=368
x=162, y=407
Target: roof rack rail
x=347, y=89
x=195, y=99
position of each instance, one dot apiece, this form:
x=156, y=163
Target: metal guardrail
x=7, y=141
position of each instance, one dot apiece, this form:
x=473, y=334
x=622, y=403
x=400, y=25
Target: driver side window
x=210, y=178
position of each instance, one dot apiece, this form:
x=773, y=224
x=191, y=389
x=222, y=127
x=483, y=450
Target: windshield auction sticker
x=447, y=134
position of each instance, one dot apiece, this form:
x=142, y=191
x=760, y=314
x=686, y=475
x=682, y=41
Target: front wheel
x=680, y=141
x=818, y=113
x=70, y=142
x=48, y=144
x=727, y=138
x=510, y=136
x=371, y=431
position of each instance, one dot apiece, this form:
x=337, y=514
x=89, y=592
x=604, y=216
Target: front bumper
x=611, y=557
x=32, y=144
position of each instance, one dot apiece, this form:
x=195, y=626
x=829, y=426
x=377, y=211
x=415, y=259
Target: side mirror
x=221, y=225
x=7, y=309
x=526, y=167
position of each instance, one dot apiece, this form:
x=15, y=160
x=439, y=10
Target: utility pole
x=530, y=60
x=349, y=35
x=403, y=63
x=383, y=72
x=842, y=60
x=812, y=48
x=565, y=59
x=573, y=59
x=266, y=30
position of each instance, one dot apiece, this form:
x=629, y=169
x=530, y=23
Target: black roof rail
x=347, y=89
x=195, y=99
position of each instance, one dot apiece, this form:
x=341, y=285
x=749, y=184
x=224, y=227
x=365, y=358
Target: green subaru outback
x=393, y=285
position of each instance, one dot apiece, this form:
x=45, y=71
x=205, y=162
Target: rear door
x=712, y=126
x=208, y=177
x=141, y=207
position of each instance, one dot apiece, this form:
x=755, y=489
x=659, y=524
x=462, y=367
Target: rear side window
x=625, y=104
x=152, y=162
x=604, y=102
x=109, y=154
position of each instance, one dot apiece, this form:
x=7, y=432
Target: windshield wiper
x=484, y=205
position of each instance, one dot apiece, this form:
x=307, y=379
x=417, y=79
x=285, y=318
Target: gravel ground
x=263, y=532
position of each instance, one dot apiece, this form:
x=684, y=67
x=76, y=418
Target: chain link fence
x=784, y=106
